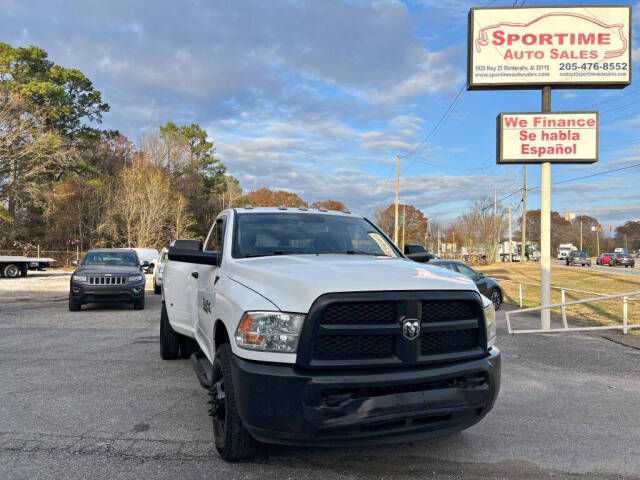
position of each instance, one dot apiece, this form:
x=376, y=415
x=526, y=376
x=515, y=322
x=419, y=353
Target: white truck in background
x=564, y=249
x=15, y=266
x=318, y=331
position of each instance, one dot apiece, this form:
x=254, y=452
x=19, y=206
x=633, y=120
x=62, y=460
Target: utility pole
x=598, y=241
x=495, y=223
x=395, y=228
x=581, y=235
x=510, y=252
x=524, y=213
x=404, y=216
x=545, y=228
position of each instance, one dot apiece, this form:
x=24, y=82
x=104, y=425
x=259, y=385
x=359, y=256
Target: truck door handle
x=194, y=274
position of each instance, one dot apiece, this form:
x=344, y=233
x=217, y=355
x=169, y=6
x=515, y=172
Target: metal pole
x=495, y=223
x=395, y=228
x=510, y=253
x=564, y=311
x=625, y=317
x=520, y=284
x=598, y=241
x=580, y=235
x=545, y=228
x=524, y=212
x=404, y=219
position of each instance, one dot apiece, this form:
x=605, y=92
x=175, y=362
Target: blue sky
x=317, y=97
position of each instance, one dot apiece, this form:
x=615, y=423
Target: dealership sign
x=530, y=47
x=558, y=137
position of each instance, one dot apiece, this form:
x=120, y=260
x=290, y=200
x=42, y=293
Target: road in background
x=606, y=268
x=86, y=395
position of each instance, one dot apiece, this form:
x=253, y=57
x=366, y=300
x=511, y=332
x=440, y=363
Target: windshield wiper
x=268, y=254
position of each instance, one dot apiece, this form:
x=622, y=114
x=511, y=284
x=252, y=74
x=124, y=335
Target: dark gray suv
x=107, y=276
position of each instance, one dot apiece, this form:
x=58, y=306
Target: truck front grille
x=107, y=280
x=365, y=329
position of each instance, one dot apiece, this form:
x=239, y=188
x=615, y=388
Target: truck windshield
x=115, y=259
x=262, y=234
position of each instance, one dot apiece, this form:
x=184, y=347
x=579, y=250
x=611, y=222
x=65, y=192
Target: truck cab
x=318, y=331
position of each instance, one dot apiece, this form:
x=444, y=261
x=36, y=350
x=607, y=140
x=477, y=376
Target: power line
x=591, y=176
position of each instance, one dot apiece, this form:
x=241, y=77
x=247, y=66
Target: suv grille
x=107, y=280
x=365, y=330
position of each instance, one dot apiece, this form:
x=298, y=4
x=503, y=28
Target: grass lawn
x=607, y=312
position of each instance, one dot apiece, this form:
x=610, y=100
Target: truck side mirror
x=145, y=264
x=194, y=256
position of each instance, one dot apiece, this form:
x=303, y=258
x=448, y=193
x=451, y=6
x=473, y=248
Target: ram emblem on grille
x=411, y=328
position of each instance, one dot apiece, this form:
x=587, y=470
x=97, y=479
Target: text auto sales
x=560, y=39
x=567, y=135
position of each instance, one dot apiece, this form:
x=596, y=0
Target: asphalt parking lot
x=86, y=395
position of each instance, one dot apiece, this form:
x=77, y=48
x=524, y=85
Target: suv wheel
x=157, y=289
x=74, y=305
x=233, y=442
x=496, y=298
x=139, y=304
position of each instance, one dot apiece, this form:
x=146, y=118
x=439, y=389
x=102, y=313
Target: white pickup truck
x=319, y=332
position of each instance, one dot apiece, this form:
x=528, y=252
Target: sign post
x=545, y=228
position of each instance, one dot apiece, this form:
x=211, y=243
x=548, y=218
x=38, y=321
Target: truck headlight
x=135, y=278
x=270, y=331
x=79, y=278
x=490, y=323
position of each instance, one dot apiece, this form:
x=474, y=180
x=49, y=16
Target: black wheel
x=11, y=271
x=169, y=339
x=139, y=304
x=157, y=289
x=496, y=298
x=233, y=442
x=74, y=306
x=150, y=268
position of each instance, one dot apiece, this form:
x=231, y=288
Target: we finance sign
x=530, y=47
x=558, y=137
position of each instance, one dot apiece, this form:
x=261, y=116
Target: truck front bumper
x=282, y=404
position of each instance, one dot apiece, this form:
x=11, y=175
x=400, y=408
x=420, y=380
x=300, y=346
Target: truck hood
x=293, y=282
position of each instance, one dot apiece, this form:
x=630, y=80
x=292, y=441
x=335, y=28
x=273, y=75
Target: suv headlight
x=135, y=278
x=270, y=331
x=79, y=278
x=490, y=323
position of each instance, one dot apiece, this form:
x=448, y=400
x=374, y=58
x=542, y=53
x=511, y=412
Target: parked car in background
x=620, y=250
x=623, y=260
x=148, y=258
x=489, y=287
x=417, y=253
x=158, y=270
x=108, y=275
x=578, y=257
x=564, y=249
x=604, y=259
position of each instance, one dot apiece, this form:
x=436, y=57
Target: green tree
x=65, y=95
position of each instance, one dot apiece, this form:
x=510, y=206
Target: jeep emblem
x=411, y=328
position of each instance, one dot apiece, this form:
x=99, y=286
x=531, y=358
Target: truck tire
x=74, y=306
x=233, y=441
x=157, y=289
x=139, y=304
x=169, y=339
x=11, y=271
x=496, y=298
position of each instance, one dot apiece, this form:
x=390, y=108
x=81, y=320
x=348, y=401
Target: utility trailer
x=13, y=267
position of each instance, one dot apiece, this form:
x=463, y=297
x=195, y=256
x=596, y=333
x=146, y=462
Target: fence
x=625, y=327
x=589, y=317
